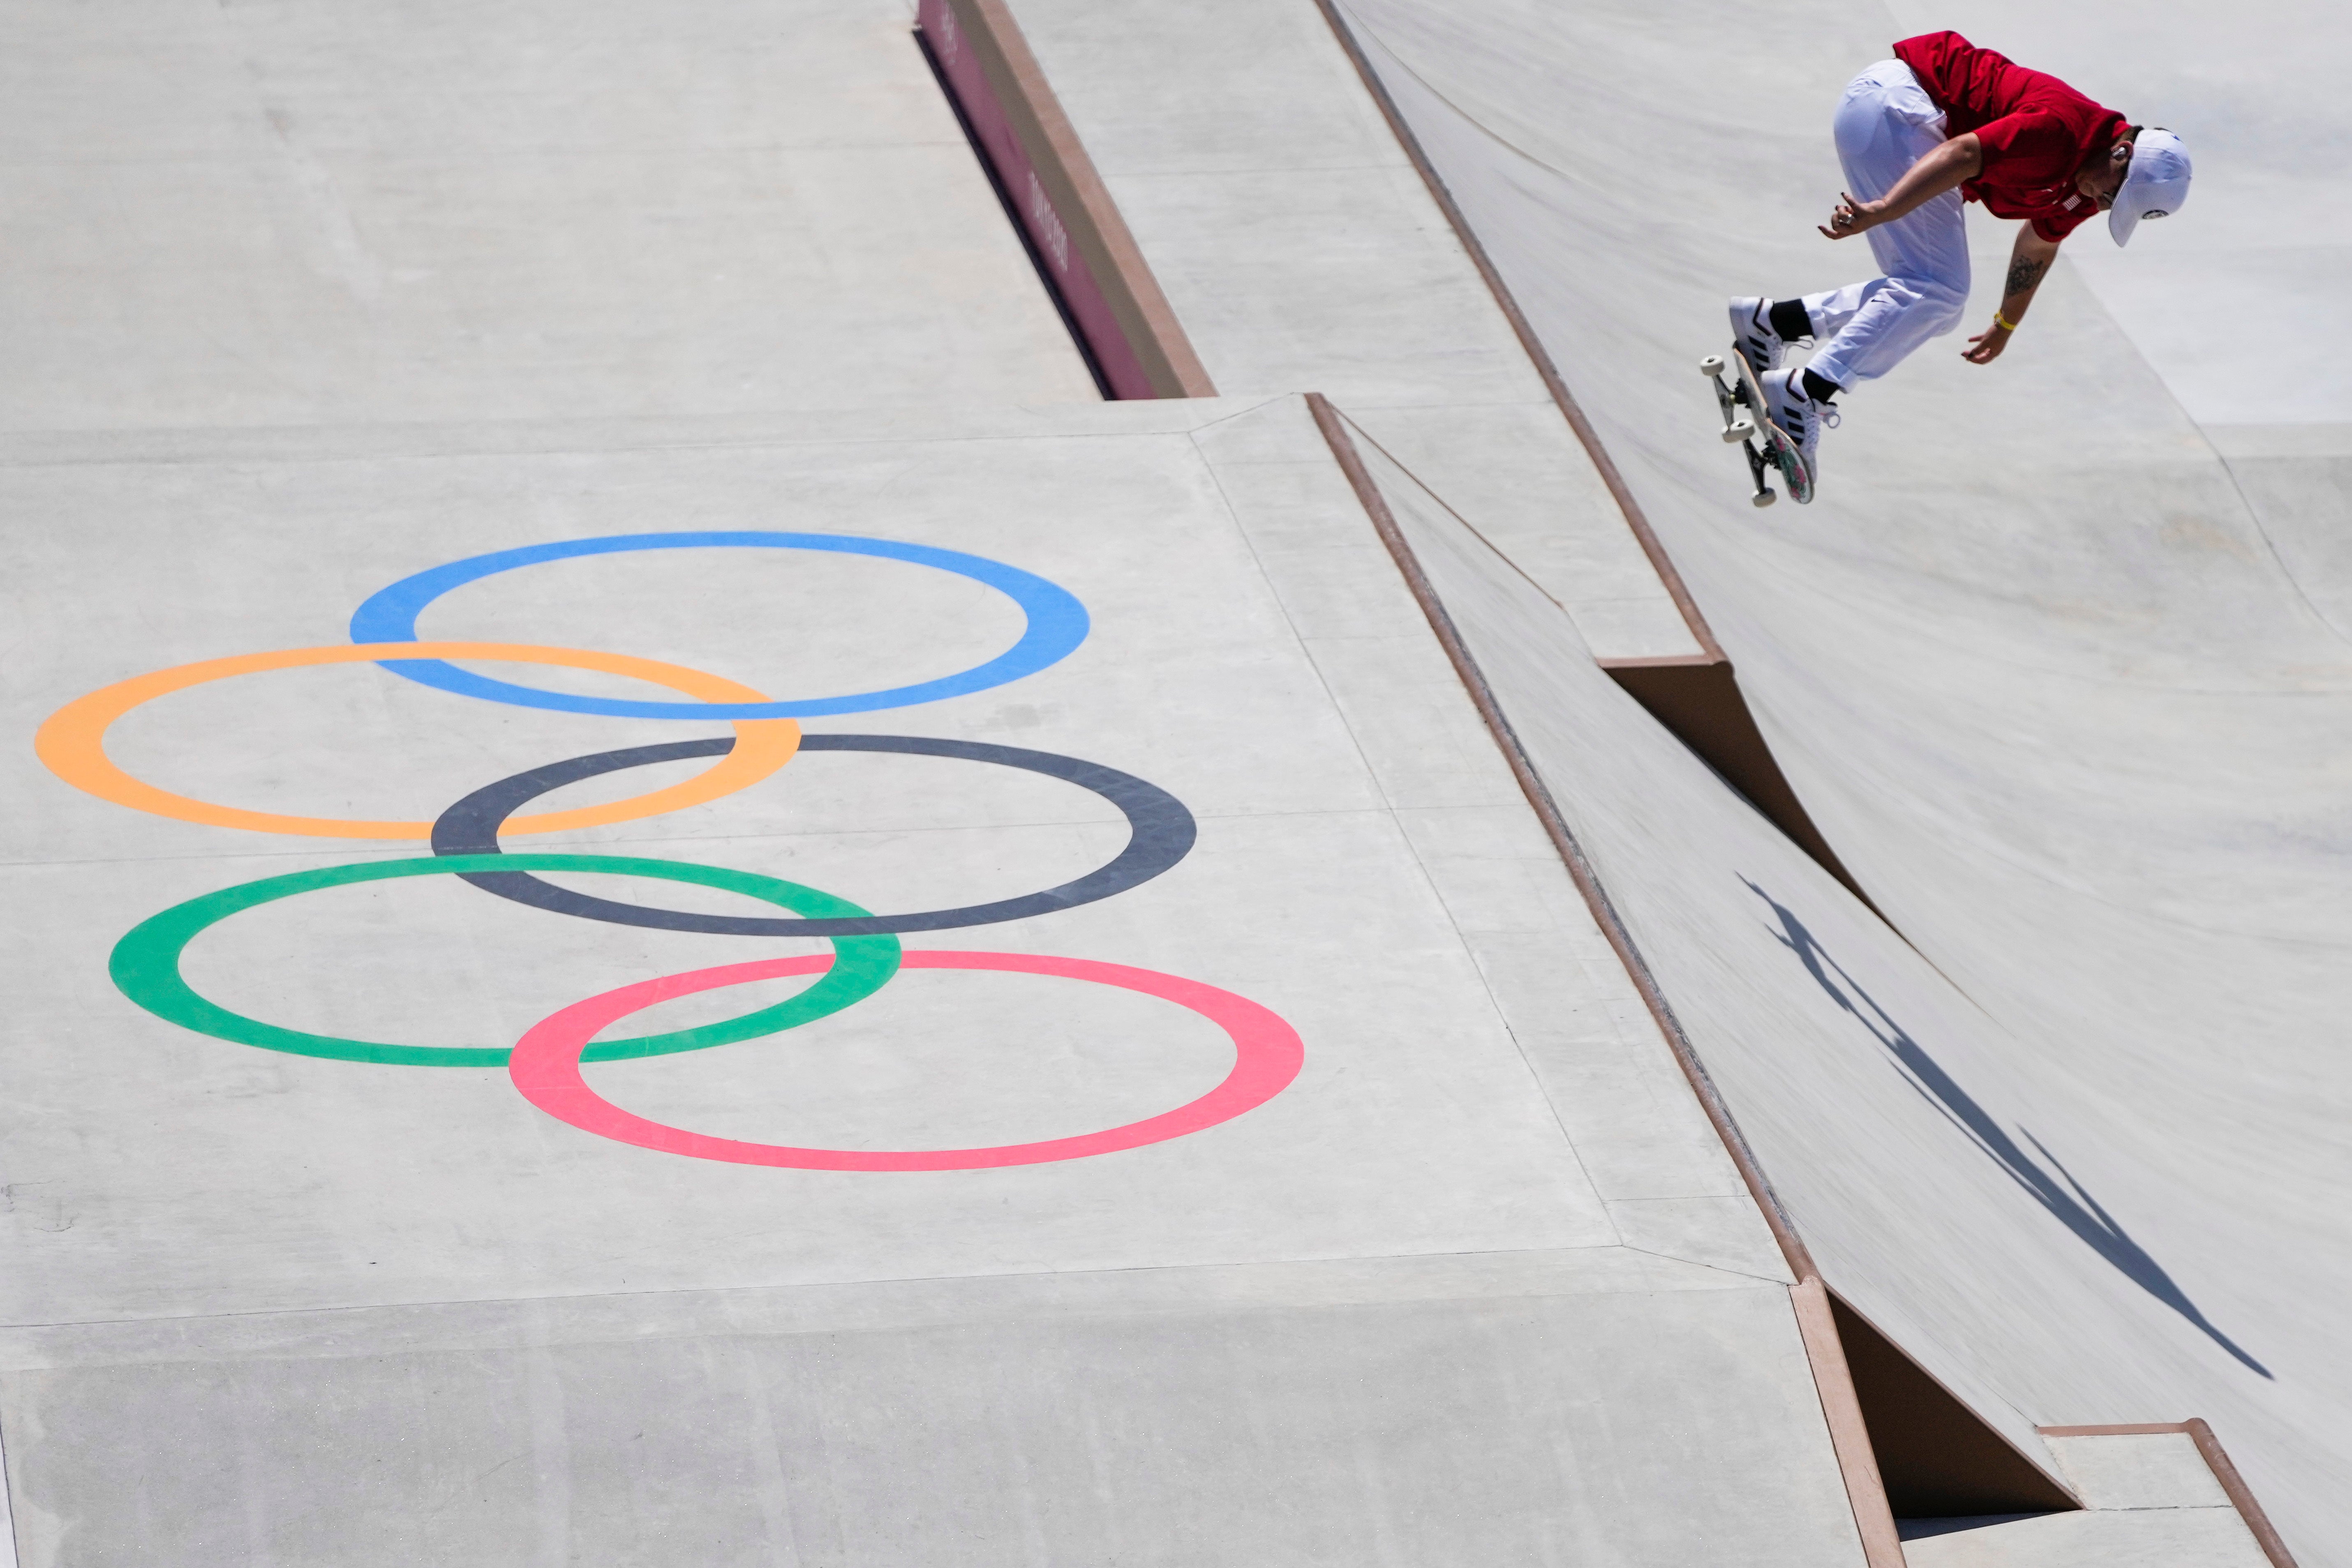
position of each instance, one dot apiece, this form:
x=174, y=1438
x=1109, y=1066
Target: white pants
x=1887, y=124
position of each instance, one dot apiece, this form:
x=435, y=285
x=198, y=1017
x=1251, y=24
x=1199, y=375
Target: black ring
x=1160, y=833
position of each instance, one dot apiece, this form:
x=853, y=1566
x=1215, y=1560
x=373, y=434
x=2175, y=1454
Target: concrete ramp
x=2073, y=719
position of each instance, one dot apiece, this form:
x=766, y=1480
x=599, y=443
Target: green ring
x=145, y=966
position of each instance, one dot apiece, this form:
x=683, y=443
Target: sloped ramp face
x=1938, y=1193
x=2050, y=694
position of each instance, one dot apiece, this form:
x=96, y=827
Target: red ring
x=545, y=1067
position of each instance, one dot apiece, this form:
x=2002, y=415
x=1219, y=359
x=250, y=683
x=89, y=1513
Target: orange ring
x=72, y=742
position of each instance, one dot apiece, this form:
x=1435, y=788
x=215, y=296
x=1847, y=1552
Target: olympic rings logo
x=544, y=1064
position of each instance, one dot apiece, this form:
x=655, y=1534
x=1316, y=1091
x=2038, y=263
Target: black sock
x=1820, y=388
x=1789, y=320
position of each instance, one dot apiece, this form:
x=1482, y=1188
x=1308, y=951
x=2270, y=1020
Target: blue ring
x=1056, y=626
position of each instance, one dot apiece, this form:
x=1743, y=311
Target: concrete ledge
x=1092, y=261
x=2170, y=1465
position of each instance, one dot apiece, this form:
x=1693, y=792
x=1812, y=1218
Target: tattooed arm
x=2029, y=262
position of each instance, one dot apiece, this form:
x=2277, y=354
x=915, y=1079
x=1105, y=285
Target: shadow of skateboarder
x=2053, y=1188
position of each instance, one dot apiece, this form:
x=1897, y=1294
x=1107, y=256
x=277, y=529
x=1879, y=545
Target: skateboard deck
x=1766, y=447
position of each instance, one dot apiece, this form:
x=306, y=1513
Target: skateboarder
x=1942, y=120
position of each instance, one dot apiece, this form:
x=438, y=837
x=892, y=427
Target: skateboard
x=1741, y=404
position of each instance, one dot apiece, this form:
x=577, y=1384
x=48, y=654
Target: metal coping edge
x=1635, y=518
x=1824, y=1356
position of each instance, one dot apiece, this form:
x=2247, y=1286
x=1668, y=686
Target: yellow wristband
x=2003, y=322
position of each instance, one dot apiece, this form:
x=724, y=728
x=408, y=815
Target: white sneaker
x=1752, y=335
x=1788, y=405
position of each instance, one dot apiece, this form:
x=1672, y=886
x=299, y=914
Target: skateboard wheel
x=1712, y=365
x=1739, y=429
x=1762, y=498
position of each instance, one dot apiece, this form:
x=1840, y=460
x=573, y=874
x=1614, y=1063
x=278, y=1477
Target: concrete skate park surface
x=2066, y=690
x=1264, y=1157
x=271, y=1305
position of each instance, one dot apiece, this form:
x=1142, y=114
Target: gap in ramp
x=1697, y=701
x=1700, y=702
x=1936, y=1458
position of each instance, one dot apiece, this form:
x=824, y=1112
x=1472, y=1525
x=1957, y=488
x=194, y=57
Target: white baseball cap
x=2157, y=185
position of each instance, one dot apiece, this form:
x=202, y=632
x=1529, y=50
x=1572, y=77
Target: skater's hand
x=1947, y=166
x=1987, y=345
x=1849, y=218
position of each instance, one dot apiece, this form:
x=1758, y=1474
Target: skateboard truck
x=1739, y=426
